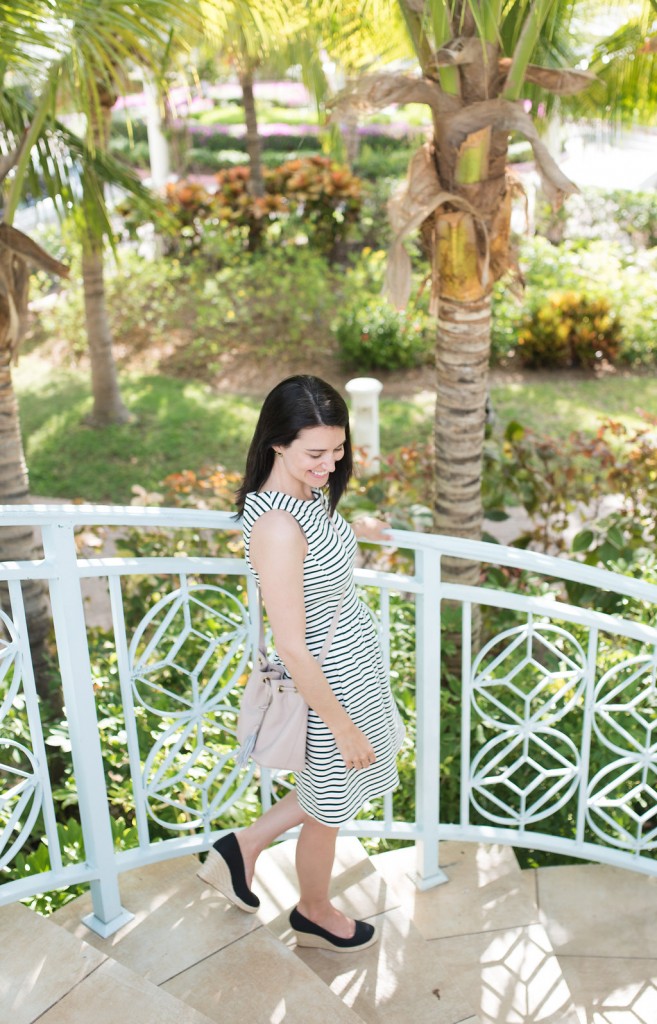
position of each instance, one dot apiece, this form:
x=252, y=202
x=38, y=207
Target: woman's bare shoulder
x=279, y=527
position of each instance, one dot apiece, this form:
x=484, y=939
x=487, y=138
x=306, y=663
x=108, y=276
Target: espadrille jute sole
x=319, y=942
x=216, y=872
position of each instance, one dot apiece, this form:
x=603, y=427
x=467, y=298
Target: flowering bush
x=312, y=194
x=570, y=329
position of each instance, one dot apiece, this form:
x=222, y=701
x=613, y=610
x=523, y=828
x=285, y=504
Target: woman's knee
x=318, y=828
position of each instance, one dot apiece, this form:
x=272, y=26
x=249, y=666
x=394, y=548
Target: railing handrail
x=557, y=567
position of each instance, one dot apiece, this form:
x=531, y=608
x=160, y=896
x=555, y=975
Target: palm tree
x=39, y=151
x=475, y=60
x=18, y=256
x=360, y=35
x=80, y=54
x=278, y=35
x=105, y=41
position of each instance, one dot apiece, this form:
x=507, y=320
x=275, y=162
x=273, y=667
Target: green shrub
x=619, y=215
x=313, y=196
x=199, y=160
x=626, y=278
x=571, y=329
x=375, y=336
x=194, y=313
x=374, y=163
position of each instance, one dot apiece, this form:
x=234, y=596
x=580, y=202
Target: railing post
x=428, y=663
x=75, y=667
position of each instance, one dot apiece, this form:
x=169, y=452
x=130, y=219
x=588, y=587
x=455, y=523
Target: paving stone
x=486, y=890
x=40, y=963
x=113, y=993
x=609, y=990
x=512, y=976
x=596, y=910
x=257, y=979
x=400, y=978
x=178, y=920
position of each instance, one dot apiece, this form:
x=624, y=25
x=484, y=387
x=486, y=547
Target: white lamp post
x=364, y=394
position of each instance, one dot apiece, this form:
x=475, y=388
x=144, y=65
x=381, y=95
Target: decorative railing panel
x=554, y=704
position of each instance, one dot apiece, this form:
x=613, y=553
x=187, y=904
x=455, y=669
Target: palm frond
x=60, y=163
x=629, y=76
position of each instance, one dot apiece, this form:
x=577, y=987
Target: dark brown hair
x=294, y=404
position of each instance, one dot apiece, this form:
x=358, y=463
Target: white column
x=158, y=145
x=427, y=758
x=364, y=394
x=75, y=668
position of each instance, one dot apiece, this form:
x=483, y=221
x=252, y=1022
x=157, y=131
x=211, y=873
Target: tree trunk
x=350, y=136
x=254, y=149
x=108, y=405
x=462, y=355
x=253, y=140
x=17, y=543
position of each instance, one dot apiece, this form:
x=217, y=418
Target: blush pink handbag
x=273, y=721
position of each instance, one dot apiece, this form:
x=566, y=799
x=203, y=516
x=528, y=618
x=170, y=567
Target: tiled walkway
x=495, y=945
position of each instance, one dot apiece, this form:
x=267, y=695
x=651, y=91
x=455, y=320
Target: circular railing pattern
x=622, y=795
x=524, y=682
x=21, y=799
x=22, y=792
x=186, y=657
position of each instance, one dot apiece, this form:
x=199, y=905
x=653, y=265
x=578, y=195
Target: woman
x=301, y=552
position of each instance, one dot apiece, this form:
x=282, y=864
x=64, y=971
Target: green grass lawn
x=177, y=425
x=560, y=403
x=181, y=425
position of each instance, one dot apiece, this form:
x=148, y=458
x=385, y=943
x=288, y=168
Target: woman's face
x=311, y=457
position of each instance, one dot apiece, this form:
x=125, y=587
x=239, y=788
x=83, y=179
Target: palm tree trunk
x=462, y=356
x=253, y=140
x=108, y=405
x=350, y=136
x=254, y=149
x=17, y=542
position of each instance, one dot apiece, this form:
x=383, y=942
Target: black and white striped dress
x=327, y=789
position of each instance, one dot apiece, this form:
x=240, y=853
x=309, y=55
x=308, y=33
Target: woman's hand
x=370, y=528
x=354, y=747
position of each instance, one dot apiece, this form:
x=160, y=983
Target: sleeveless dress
x=328, y=790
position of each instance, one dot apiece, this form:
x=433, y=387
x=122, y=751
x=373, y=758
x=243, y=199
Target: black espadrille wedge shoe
x=224, y=869
x=310, y=934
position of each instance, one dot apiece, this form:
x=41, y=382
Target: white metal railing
x=557, y=730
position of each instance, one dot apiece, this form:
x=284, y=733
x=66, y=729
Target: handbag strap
x=329, y=636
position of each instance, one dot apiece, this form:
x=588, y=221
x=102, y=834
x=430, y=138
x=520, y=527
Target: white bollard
x=158, y=145
x=364, y=394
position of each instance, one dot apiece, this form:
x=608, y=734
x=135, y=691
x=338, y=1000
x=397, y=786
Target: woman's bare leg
x=281, y=816
x=315, y=856
x=314, y=859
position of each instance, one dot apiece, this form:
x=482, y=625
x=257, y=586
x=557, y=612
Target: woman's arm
x=277, y=550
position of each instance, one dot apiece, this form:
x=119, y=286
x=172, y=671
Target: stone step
x=189, y=940
x=398, y=979
x=602, y=923
x=54, y=977
x=486, y=889
x=483, y=926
